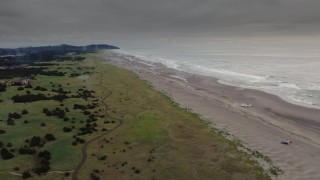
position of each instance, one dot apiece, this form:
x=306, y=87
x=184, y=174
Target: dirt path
x=84, y=148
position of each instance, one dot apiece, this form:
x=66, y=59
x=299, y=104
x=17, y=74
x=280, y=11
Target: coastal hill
x=57, y=48
x=27, y=54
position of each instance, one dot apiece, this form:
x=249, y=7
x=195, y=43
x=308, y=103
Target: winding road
x=84, y=148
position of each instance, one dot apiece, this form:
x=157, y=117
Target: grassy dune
x=156, y=140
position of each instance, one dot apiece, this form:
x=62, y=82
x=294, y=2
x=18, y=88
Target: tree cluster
x=88, y=129
x=38, y=88
x=85, y=94
x=43, y=165
x=26, y=150
x=85, y=107
x=61, y=91
x=19, y=72
x=60, y=113
x=12, y=117
x=52, y=73
x=29, y=98
x=77, y=140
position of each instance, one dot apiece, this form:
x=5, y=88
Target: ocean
x=289, y=70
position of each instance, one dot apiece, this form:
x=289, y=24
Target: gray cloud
x=78, y=21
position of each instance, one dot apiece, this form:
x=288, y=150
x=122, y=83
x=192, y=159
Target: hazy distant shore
x=261, y=127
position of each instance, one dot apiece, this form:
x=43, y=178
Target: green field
x=154, y=138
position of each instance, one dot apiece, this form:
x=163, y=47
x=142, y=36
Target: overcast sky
x=33, y=22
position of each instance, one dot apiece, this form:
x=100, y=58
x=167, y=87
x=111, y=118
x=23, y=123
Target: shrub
x=10, y=122
x=66, y=129
x=94, y=176
x=3, y=88
x=50, y=137
x=28, y=86
x=5, y=154
x=24, y=112
x=14, y=115
x=96, y=171
x=86, y=112
x=102, y=158
x=137, y=171
x=81, y=141
x=26, y=150
x=74, y=143
x=26, y=175
x=60, y=97
x=38, y=88
x=35, y=141
x=126, y=142
x=45, y=155
x=2, y=131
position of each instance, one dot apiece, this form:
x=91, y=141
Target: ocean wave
x=231, y=73
x=289, y=85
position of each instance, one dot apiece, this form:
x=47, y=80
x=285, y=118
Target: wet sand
x=260, y=127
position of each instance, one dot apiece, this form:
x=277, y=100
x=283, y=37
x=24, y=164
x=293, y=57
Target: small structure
x=24, y=81
x=71, y=54
x=2, y=82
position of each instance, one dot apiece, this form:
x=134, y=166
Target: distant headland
x=49, y=52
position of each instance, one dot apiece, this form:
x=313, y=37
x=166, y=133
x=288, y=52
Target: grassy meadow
x=155, y=138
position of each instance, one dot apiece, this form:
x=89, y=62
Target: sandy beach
x=260, y=127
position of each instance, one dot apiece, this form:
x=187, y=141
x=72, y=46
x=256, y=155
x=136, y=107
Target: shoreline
x=286, y=99
x=260, y=127
x=269, y=91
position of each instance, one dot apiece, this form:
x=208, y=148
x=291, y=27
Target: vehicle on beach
x=245, y=105
x=286, y=142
